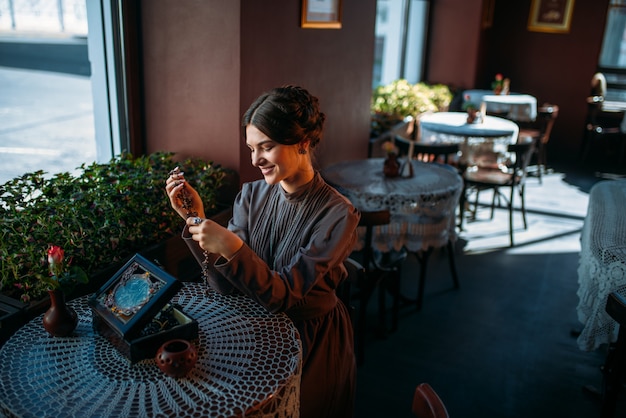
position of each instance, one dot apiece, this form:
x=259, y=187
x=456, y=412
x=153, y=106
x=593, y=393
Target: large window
x=59, y=77
x=401, y=27
x=612, y=61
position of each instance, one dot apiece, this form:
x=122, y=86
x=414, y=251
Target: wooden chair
x=344, y=290
x=382, y=272
x=615, y=364
x=495, y=179
x=443, y=153
x=540, y=133
x=602, y=124
x=427, y=404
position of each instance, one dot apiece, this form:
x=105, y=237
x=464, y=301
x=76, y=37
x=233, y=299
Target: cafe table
x=602, y=262
x=422, y=206
x=518, y=107
x=249, y=364
x=480, y=143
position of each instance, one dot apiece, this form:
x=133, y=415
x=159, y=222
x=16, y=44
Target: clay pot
x=391, y=167
x=60, y=320
x=176, y=358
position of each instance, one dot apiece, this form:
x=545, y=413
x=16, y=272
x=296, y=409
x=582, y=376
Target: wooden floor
x=501, y=345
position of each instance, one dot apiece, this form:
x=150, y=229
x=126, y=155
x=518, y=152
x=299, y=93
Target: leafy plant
x=100, y=216
x=401, y=98
x=393, y=102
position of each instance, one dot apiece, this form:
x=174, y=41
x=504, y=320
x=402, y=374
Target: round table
x=422, y=206
x=518, y=107
x=249, y=362
x=480, y=144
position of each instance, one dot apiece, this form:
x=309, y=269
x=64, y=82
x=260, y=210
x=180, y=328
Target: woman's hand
x=213, y=237
x=183, y=198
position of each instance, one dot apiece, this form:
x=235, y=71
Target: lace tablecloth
x=422, y=207
x=483, y=143
x=602, y=265
x=517, y=106
x=249, y=363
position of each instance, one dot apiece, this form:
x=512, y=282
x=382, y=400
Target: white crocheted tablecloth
x=422, y=207
x=249, y=363
x=602, y=265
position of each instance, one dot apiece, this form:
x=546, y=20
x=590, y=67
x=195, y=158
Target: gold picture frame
x=552, y=16
x=321, y=14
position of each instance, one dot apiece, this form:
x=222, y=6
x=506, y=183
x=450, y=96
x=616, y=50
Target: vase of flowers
x=473, y=114
x=60, y=319
x=497, y=84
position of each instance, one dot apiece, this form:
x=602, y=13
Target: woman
x=286, y=243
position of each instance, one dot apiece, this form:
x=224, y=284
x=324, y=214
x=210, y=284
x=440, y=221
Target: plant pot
x=60, y=320
x=391, y=167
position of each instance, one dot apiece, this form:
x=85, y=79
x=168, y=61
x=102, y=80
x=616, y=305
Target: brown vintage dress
x=292, y=261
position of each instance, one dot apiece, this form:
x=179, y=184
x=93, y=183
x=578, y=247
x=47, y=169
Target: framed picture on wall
x=321, y=14
x=550, y=16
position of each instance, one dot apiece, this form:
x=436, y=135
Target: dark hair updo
x=287, y=115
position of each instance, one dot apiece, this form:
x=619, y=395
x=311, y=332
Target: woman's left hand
x=213, y=237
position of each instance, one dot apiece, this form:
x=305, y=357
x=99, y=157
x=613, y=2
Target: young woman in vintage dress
x=286, y=243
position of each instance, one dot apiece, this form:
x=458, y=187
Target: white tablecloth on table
x=479, y=143
x=602, y=265
x=516, y=106
x=422, y=207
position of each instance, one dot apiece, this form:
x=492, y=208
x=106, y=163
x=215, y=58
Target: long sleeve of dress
x=316, y=267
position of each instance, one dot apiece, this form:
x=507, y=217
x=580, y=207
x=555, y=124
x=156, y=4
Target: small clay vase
x=60, y=320
x=391, y=167
x=471, y=115
x=176, y=358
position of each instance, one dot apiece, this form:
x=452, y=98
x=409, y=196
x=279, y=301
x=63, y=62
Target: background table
x=515, y=106
x=602, y=265
x=479, y=143
x=422, y=207
x=249, y=361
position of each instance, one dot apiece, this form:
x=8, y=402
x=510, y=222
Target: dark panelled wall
x=553, y=67
x=335, y=65
x=204, y=61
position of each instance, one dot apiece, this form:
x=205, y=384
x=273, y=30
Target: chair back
x=548, y=114
x=601, y=120
x=523, y=150
x=427, y=404
x=344, y=290
x=370, y=219
x=425, y=152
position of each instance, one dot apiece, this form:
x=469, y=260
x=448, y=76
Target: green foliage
x=400, y=99
x=101, y=216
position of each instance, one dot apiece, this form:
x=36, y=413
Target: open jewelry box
x=133, y=310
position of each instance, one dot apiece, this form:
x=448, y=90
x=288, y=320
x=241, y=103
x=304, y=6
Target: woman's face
x=278, y=162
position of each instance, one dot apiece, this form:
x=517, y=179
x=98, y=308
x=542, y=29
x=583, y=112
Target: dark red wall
x=555, y=68
x=204, y=61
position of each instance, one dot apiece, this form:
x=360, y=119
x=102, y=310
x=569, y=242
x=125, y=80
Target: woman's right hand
x=181, y=194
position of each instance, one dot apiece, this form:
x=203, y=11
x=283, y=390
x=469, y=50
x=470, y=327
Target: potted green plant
x=100, y=217
x=400, y=101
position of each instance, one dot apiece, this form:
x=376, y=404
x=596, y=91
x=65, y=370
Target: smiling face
x=278, y=163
